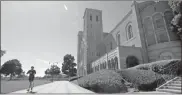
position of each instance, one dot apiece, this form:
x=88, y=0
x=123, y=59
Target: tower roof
x=90, y=9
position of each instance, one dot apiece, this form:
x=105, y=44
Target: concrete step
x=170, y=91
x=175, y=85
x=176, y=82
x=172, y=87
x=178, y=79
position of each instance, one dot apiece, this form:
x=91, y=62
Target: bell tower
x=93, y=31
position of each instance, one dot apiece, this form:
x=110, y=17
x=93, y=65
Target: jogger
x=31, y=73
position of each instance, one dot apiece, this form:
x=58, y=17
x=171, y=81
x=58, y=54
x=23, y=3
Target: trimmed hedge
x=145, y=77
x=75, y=78
x=149, y=76
x=145, y=80
x=104, y=81
x=163, y=67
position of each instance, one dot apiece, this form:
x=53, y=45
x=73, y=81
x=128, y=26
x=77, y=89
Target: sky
x=39, y=32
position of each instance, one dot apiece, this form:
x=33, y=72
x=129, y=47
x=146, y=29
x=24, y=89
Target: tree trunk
x=52, y=78
x=11, y=77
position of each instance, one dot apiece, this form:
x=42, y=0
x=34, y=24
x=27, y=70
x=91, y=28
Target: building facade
x=144, y=32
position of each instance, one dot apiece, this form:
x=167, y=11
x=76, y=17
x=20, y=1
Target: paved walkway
x=150, y=92
x=57, y=87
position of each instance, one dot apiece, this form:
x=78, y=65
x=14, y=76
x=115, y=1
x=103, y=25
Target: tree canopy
x=54, y=70
x=2, y=52
x=176, y=22
x=68, y=66
x=12, y=67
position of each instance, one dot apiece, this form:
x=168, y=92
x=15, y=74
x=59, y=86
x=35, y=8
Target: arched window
x=158, y=21
x=149, y=31
x=109, y=64
x=113, y=63
x=161, y=32
x=129, y=32
x=104, y=65
x=168, y=15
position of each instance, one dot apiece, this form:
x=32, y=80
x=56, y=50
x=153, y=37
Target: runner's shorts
x=31, y=78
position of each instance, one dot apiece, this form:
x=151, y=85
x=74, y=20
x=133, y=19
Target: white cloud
x=65, y=7
x=42, y=61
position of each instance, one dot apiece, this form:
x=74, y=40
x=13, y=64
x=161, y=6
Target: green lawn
x=15, y=85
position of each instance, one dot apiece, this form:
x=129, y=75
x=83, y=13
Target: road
x=57, y=87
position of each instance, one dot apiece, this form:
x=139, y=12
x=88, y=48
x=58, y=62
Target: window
x=158, y=21
x=90, y=17
x=129, y=32
x=162, y=37
x=97, y=18
x=168, y=15
x=161, y=32
x=149, y=32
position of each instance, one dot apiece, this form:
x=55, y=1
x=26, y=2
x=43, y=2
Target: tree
x=68, y=66
x=47, y=71
x=54, y=70
x=12, y=67
x=131, y=61
x=2, y=52
x=176, y=22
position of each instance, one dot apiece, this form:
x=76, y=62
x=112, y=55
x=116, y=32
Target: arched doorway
x=105, y=65
x=116, y=62
x=112, y=64
x=109, y=64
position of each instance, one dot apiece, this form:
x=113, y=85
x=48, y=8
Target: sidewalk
x=57, y=87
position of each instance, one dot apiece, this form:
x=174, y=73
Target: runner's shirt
x=31, y=73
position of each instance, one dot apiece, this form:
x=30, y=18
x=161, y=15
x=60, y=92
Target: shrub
x=131, y=61
x=151, y=75
x=171, y=67
x=75, y=78
x=104, y=81
x=145, y=80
